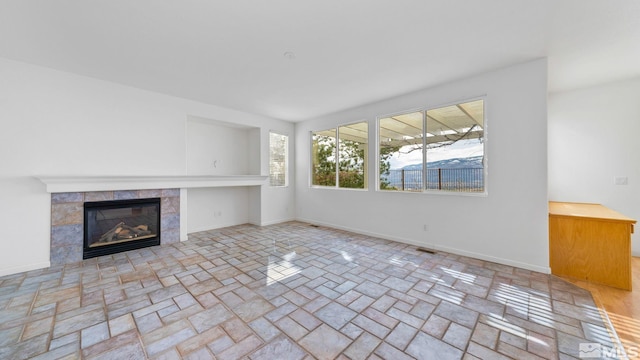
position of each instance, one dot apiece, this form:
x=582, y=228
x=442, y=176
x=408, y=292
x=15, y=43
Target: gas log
x=123, y=231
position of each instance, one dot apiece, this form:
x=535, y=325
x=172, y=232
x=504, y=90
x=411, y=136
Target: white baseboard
x=273, y=222
x=480, y=256
x=18, y=269
x=214, y=227
x=526, y=266
x=220, y=226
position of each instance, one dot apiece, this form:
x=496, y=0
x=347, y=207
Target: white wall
x=220, y=148
x=216, y=148
x=509, y=226
x=281, y=211
x=593, y=138
x=212, y=208
x=57, y=123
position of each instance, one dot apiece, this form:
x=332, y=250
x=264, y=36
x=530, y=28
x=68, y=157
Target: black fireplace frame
x=91, y=252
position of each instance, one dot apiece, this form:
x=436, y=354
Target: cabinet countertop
x=586, y=210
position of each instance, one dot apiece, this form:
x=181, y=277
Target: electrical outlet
x=425, y=227
x=621, y=180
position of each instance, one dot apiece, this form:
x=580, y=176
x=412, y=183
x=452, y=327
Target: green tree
x=386, y=151
x=324, y=164
x=351, y=164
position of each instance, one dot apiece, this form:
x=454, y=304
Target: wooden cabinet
x=590, y=242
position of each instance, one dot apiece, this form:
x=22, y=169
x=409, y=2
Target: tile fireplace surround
x=67, y=219
x=68, y=193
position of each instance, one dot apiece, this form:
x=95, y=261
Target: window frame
x=424, y=111
x=286, y=159
x=337, y=158
x=311, y=159
x=377, y=136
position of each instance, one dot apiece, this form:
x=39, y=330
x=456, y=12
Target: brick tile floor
x=292, y=291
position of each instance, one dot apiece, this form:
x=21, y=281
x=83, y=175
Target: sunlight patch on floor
x=514, y=330
x=468, y=278
x=278, y=270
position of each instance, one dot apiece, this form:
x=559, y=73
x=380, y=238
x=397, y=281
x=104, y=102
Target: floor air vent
x=428, y=251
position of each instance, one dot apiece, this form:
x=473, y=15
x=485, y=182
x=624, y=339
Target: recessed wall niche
x=220, y=148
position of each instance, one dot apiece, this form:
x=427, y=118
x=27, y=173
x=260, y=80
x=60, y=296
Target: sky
x=460, y=149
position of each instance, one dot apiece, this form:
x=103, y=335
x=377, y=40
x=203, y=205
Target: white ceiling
x=347, y=52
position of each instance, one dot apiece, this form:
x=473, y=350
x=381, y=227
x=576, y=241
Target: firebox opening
x=120, y=225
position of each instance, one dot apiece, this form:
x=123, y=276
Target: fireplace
x=120, y=225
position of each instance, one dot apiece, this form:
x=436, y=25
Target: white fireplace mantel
x=60, y=184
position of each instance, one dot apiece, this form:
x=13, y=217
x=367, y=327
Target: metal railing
x=462, y=180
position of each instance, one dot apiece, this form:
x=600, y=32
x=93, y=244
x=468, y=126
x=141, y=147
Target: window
x=324, y=158
x=439, y=149
x=455, y=147
x=278, y=159
x=401, y=155
x=339, y=156
x=352, y=155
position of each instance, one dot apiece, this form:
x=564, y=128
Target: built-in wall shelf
x=60, y=184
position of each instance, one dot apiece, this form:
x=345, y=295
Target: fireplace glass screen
x=120, y=225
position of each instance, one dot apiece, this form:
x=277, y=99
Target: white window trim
x=337, y=156
x=484, y=193
x=286, y=159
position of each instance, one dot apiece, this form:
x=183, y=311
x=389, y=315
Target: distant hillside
x=457, y=163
